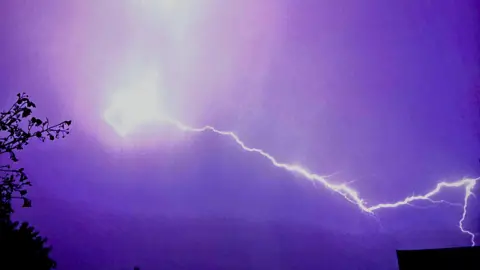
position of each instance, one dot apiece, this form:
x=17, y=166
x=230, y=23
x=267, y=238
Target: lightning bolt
x=344, y=190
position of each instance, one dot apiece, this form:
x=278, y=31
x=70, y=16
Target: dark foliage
x=20, y=246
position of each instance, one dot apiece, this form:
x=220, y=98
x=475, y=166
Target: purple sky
x=381, y=94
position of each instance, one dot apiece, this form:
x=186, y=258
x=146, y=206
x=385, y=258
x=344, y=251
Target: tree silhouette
x=21, y=247
x=17, y=128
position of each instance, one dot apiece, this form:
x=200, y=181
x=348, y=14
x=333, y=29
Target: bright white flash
x=169, y=8
x=129, y=110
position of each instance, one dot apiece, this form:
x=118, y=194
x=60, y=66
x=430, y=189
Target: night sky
x=379, y=95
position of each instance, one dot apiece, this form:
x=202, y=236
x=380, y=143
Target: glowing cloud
x=134, y=107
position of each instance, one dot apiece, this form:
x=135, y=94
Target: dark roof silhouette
x=462, y=258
